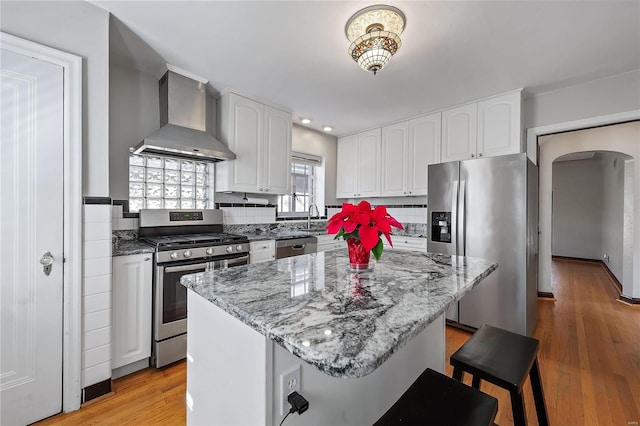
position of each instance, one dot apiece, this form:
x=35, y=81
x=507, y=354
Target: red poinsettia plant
x=364, y=224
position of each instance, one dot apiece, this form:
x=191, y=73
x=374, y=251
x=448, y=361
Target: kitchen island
x=356, y=339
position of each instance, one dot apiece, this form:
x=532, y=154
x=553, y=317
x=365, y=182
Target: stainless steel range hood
x=183, y=123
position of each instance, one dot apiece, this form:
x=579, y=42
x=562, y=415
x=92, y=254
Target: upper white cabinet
x=459, y=133
x=407, y=149
x=359, y=165
x=260, y=136
x=484, y=129
x=499, y=125
x=131, y=309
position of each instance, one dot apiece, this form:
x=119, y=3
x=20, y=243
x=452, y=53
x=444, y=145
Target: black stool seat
x=504, y=359
x=436, y=399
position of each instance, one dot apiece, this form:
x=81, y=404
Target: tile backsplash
x=267, y=215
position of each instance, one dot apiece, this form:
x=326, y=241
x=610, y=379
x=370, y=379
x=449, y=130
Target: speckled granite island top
x=343, y=322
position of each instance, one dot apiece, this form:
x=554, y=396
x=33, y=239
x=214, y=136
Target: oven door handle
x=185, y=268
x=244, y=260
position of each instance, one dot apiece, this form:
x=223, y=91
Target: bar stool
x=504, y=359
x=436, y=399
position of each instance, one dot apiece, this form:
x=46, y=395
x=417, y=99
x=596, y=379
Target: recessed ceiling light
x=305, y=120
x=327, y=128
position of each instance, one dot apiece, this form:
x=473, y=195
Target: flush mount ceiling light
x=327, y=128
x=305, y=120
x=374, y=33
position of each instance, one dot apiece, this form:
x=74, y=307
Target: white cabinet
x=328, y=242
x=459, y=133
x=484, y=129
x=395, y=141
x=359, y=165
x=131, y=309
x=407, y=149
x=499, y=125
x=262, y=251
x=406, y=243
x=260, y=136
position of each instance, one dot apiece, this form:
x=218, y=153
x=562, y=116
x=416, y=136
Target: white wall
x=82, y=29
x=577, y=208
x=613, y=211
x=621, y=138
x=321, y=144
x=609, y=95
x=134, y=113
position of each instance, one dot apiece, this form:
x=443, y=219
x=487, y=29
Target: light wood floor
x=589, y=361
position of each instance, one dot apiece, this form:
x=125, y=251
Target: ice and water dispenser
x=441, y=227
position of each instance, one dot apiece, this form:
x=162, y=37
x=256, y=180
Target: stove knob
x=230, y=249
x=238, y=247
x=187, y=253
x=174, y=255
x=210, y=251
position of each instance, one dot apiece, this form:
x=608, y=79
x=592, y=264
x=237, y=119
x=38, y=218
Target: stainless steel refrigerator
x=488, y=208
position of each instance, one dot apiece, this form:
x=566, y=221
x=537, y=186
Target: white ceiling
x=294, y=54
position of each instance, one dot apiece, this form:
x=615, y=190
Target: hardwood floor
x=589, y=352
x=589, y=361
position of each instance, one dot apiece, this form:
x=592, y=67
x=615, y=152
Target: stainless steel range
x=187, y=242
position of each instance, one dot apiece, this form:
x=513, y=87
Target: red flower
x=365, y=224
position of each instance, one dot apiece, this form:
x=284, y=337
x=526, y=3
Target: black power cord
x=298, y=405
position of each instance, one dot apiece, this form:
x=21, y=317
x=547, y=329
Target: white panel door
x=31, y=224
x=246, y=142
x=394, y=159
x=131, y=309
x=368, y=180
x=499, y=125
x=423, y=149
x=347, y=165
x=459, y=133
x=277, y=151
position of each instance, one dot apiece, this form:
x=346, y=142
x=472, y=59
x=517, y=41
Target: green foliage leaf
x=377, y=250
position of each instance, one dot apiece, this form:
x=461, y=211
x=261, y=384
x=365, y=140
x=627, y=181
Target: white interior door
x=31, y=225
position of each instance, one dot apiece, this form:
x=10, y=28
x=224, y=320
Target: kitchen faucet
x=312, y=207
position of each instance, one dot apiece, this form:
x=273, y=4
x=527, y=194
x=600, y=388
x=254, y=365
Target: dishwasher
x=295, y=246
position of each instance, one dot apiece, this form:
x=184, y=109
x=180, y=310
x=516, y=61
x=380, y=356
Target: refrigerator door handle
x=454, y=217
x=462, y=222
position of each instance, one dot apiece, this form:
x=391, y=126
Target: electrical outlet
x=605, y=257
x=289, y=382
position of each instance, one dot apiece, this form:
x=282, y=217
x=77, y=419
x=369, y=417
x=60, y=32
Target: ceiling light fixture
x=374, y=33
x=327, y=128
x=305, y=120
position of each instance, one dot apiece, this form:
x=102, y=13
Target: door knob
x=46, y=261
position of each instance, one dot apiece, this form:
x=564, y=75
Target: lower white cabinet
x=131, y=309
x=327, y=242
x=407, y=243
x=262, y=251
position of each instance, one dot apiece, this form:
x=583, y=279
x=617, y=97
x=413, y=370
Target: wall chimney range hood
x=183, y=123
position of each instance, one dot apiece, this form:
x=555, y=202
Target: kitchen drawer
x=327, y=242
x=262, y=251
x=408, y=243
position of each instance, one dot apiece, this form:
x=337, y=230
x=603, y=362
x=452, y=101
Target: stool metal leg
x=517, y=405
x=476, y=382
x=538, y=394
x=458, y=373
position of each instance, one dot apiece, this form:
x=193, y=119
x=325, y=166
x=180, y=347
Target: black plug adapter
x=298, y=403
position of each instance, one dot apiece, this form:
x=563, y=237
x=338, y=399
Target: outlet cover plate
x=289, y=382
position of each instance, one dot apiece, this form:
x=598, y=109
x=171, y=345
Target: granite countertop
x=126, y=247
x=345, y=323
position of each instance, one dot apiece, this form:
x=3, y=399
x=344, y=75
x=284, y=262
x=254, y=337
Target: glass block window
x=304, y=186
x=157, y=182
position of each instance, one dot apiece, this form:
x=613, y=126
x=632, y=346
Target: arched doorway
x=622, y=138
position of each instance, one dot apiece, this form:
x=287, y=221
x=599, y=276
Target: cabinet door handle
x=480, y=155
x=473, y=155
x=146, y=259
